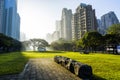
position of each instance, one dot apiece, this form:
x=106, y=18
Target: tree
x=9, y=44
x=111, y=41
x=62, y=45
x=114, y=29
x=25, y=45
x=67, y=46
x=56, y=46
x=112, y=38
x=5, y=42
x=79, y=44
x=37, y=43
x=90, y=40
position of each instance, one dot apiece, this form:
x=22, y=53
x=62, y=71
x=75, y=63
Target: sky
x=38, y=17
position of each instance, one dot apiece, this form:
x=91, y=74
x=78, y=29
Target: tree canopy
x=114, y=29
x=90, y=40
x=37, y=43
x=113, y=34
x=63, y=45
x=9, y=44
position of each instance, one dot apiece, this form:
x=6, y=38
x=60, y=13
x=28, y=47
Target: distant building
x=83, y=20
x=49, y=38
x=55, y=36
x=100, y=29
x=66, y=32
x=59, y=28
x=22, y=36
x=108, y=19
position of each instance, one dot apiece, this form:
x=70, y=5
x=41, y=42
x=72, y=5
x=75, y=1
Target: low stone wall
x=84, y=71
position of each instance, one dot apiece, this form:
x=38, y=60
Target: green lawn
x=11, y=63
x=106, y=66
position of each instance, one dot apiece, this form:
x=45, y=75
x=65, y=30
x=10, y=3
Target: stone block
x=82, y=70
x=71, y=66
x=57, y=59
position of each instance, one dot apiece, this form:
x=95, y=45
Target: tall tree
x=37, y=43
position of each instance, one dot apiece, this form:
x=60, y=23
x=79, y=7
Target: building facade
x=9, y=19
x=17, y=31
x=12, y=27
x=66, y=29
x=2, y=8
x=108, y=19
x=100, y=29
x=83, y=20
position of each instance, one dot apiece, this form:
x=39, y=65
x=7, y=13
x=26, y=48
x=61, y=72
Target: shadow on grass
x=95, y=77
x=12, y=63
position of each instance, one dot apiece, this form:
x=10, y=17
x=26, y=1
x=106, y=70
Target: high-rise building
x=84, y=20
x=9, y=18
x=11, y=6
x=66, y=24
x=108, y=19
x=9, y=21
x=2, y=8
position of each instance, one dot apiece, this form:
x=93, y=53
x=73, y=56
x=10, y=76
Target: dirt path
x=46, y=69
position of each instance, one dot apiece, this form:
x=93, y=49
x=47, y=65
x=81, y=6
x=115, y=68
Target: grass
x=105, y=66
x=12, y=63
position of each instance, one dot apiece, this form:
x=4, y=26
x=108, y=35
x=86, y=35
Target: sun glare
x=36, y=21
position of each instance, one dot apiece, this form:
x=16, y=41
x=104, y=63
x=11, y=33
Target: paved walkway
x=42, y=69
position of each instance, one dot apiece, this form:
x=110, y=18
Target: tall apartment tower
x=66, y=24
x=2, y=8
x=83, y=21
x=108, y=19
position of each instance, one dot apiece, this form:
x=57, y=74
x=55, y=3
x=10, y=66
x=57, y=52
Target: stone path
x=43, y=69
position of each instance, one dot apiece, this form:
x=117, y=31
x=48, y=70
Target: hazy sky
x=38, y=16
